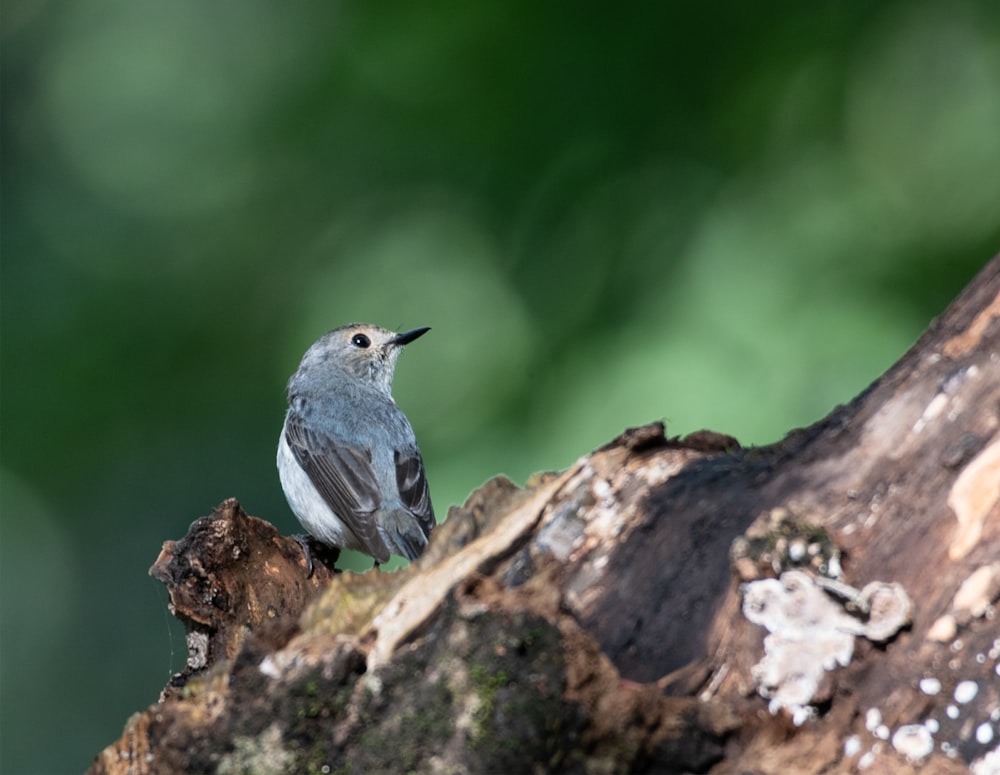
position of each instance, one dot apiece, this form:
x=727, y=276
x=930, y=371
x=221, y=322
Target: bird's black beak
x=408, y=336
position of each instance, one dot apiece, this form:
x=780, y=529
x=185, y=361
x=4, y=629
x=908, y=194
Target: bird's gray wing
x=413, y=490
x=344, y=476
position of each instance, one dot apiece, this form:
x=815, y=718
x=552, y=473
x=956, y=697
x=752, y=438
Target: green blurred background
x=730, y=216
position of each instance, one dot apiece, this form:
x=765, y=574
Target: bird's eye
x=360, y=340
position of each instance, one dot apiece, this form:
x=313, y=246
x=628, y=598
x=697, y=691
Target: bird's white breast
x=304, y=499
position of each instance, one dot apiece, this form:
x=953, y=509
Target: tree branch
x=665, y=605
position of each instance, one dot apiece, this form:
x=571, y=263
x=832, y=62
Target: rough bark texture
x=823, y=604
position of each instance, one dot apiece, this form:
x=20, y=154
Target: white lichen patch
x=914, y=741
x=966, y=692
x=810, y=632
x=888, y=607
x=988, y=764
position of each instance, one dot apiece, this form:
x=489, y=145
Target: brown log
x=823, y=604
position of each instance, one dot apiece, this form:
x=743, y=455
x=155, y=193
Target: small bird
x=347, y=458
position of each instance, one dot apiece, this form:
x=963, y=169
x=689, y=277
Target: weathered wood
x=665, y=605
x=229, y=576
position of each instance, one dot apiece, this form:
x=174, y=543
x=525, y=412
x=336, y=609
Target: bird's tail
x=402, y=533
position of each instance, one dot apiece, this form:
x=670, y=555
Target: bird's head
x=362, y=350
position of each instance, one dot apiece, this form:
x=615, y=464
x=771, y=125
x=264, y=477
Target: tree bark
x=822, y=604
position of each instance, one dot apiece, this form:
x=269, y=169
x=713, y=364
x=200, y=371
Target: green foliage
x=730, y=216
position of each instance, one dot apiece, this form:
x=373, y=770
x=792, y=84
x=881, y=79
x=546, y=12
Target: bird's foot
x=313, y=549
